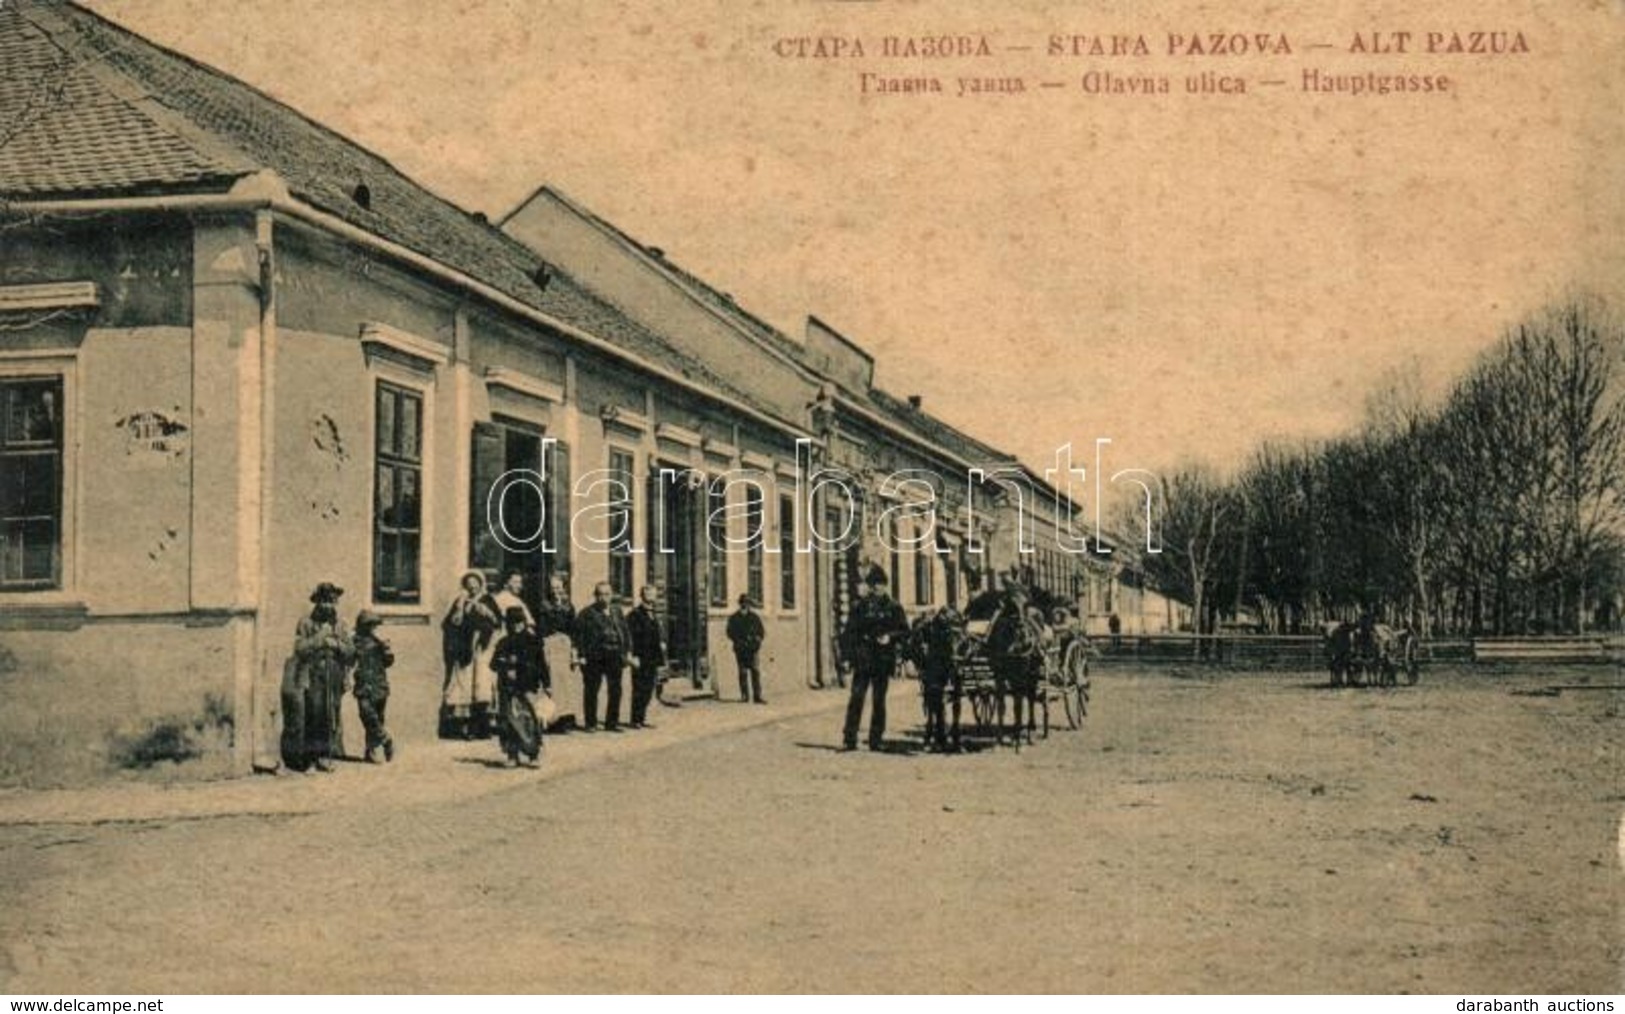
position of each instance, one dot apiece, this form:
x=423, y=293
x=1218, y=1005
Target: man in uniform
x=873, y=630
x=603, y=641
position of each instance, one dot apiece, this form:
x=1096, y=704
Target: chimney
x=914, y=402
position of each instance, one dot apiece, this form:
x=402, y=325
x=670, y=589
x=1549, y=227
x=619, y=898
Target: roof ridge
x=322, y=168
x=127, y=37
x=123, y=86
x=725, y=302
x=921, y=414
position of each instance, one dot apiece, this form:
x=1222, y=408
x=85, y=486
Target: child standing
x=372, y=661
x=938, y=645
x=521, y=673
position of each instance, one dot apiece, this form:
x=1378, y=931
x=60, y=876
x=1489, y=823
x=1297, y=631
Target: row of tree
x=1497, y=511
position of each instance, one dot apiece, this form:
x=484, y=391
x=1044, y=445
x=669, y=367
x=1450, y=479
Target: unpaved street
x=1227, y=835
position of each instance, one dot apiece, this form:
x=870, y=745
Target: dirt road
x=1236, y=835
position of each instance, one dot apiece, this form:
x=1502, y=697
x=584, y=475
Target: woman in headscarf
x=467, y=634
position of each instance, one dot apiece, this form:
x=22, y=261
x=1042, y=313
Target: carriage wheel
x=1074, y=678
x=1073, y=700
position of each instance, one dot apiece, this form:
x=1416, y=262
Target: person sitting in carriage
x=937, y=641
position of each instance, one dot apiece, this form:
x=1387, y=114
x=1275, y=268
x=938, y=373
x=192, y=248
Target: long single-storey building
x=241, y=355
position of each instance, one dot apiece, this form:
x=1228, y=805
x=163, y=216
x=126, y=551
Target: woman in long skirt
x=467, y=634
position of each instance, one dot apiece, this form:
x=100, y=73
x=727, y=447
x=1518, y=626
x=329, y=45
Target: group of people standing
x=493, y=648
x=496, y=660
x=498, y=680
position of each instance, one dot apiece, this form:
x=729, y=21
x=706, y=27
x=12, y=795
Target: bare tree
x=1199, y=508
x=1404, y=437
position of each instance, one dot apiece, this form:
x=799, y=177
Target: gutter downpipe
x=262, y=709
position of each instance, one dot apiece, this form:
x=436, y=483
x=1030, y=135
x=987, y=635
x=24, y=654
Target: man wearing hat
x=746, y=632
x=313, y=685
x=873, y=631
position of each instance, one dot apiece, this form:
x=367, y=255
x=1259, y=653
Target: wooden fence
x=1308, y=651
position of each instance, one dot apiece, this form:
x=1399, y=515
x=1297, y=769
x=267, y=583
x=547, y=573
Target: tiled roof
x=719, y=301
x=890, y=407
x=88, y=108
x=569, y=300
x=63, y=131
x=933, y=429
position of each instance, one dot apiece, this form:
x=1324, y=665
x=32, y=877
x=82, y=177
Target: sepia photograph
x=812, y=497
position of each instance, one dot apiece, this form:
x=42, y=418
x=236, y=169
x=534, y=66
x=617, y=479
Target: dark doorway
x=510, y=454
x=676, y=519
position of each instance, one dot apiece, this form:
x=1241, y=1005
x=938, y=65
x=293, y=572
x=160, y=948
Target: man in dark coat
x=604, y=642
x=314, y=684
x=871, y=639
x=648, y=630
x=746, y=632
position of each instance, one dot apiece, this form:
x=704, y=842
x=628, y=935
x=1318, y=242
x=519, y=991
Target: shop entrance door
x=676, y=507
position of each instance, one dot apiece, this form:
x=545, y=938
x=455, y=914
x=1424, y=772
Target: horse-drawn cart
x=1371, y=654
x=1033, y=663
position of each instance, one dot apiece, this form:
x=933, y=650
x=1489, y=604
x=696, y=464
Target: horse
x=1339, y=643
x=1015, y=645
x=1377, y=650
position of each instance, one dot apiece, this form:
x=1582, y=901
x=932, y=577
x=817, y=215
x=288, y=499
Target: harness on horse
x=1015, y=644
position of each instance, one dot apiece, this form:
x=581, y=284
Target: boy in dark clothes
x=372, y=661
x=521, y=672
x=938, y=640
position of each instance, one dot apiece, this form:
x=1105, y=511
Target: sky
x=1185, y=274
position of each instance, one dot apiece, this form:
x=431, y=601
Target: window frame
x=59, y=370
x=397, y=462
x=716, y=541
x=45, y=363
x=924, y=571
x=896, y=548
x=620, y=552
x=789, y=592
x=756, y=533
